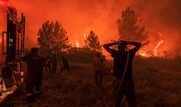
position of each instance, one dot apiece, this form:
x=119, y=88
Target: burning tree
x=53, y=38
x=92, y=42
x=130, y=28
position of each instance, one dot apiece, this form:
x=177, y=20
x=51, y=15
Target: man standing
x=65, y=65
x=98, y=67
x=35, y=65
x=48, y=64
x=123, y=59
x=54, y=64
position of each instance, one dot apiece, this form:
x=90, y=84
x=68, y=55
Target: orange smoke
x=5, y=4
x=79, y=17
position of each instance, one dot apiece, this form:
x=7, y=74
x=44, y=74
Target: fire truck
x=12, y=37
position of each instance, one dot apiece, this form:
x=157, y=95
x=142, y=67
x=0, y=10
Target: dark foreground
x=157, y=84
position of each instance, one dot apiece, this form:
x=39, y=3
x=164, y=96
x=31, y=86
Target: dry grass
x=157, y=85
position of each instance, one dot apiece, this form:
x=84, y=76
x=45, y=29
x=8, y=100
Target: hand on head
x=123, y=42
x=122, y=45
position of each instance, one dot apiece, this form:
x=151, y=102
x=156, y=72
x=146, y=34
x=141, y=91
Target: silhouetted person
x=123, y=59
x=54, y=64
x=65, y=65
x=35, y=65
x=98, y=67
x=48, y=64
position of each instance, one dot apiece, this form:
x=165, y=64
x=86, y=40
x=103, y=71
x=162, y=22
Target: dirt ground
x=157, y=83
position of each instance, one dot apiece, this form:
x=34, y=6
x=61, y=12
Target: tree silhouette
x=53, y=38
x=92, y=42
x=129, y=26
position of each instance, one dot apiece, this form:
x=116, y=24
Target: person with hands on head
x=122, y=70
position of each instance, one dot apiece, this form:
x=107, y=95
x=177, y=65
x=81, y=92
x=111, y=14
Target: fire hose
x=119, y=86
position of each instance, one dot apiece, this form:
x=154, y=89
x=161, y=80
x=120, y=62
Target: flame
x=77, y=44
x=152, y=50
x=85, y=36
x=155, y=50
x=144, y=53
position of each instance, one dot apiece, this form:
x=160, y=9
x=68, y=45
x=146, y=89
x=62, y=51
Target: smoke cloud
x=80, y=16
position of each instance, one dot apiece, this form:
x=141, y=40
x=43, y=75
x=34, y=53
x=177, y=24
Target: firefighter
x=48, y=64
x=122, y=70
x=33, y=79
x=98, y=67
x=54, y=64
x=65, y=65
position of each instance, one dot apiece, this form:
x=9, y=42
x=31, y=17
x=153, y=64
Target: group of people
x=35, y=67
x=122, y=71
x=51, y=64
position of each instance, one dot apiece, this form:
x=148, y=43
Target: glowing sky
x=80, y=16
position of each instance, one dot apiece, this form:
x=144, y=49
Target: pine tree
x=130, y=28
x=53, y=38
x=92, y=42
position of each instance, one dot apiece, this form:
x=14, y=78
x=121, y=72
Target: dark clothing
x=65, y=65
x=65, y=68
x=33, y=82
x=126, y=89
x=122, y=70
x=98, y=77
x=127, y=86
x=48, y=66
x=120, y=59
x=98, y=70
x=54, y=65
x=35, y=65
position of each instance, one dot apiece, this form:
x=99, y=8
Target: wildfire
x=152, y=50
x=155, y=50
x=85, y=36
x=144, y=53
x=77, y=44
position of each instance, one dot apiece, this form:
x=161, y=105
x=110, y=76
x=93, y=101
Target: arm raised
x=136, y=44
x=108, y=45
